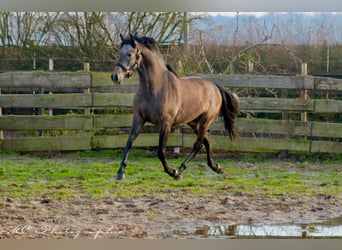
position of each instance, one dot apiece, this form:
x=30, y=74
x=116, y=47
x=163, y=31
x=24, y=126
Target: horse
x=168, y=101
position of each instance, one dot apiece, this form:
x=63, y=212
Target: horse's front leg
x=138, y=122
x=164, y=132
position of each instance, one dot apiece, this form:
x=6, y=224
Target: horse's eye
x=129, y=54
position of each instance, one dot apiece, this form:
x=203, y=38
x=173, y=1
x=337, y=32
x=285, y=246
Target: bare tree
x=22, y=34
x=5, y=37
x=86, y=30
x=163, y=26
x=22, y=28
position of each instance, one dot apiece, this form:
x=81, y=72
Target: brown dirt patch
x=151, y=217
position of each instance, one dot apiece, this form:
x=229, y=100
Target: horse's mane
x=149, y=43
x=168, y=66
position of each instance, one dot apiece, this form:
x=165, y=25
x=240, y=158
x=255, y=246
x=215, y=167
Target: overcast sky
x=257, y=14
x=234, y=13
x=174, y=5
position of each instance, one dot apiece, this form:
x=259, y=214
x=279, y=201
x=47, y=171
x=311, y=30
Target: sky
x=174, y=5
x=257, y=14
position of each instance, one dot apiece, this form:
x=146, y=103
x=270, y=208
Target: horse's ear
x=133, y=39
x=132, y=36
x=122, y=38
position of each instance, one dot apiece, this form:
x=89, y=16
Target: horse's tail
x=229, y=110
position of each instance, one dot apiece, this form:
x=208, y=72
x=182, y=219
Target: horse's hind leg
x=202, y=137
x=183, y=166
x=200, y=131
x=217, y=168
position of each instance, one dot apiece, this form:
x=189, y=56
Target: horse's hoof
x=120, y=177
x=219, y=169
x=177, y=175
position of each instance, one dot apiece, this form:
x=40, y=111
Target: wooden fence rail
x=104, y=110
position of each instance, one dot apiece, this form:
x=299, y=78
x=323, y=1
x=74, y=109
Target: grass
x=90, y=174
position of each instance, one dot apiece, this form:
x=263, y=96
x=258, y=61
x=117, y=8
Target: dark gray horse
x=167, y=101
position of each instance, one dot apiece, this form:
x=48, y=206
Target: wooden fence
x=85, y=110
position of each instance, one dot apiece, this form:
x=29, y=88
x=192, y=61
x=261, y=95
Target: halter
x=135, y=64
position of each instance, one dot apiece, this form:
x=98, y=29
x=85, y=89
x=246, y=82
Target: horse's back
x=197, y=87
x=198, y=96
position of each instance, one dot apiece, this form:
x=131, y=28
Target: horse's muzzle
x=117, y=75
x=114, y=77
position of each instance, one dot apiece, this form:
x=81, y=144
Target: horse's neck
x=152, y=74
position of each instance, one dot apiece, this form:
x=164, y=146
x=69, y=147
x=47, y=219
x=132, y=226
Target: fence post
x=86, y=67
x=304, y=92
x=326, y=43
x=304, y=95
x=250, y=67
x=51, y=67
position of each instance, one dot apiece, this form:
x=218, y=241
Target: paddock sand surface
x=153, y=217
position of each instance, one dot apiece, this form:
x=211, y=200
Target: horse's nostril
x=115, y=77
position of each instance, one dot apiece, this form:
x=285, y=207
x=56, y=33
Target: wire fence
x=208, y=59
x=59, y=64
x=219, y=66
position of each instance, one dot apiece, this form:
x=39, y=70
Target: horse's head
x=129, y=59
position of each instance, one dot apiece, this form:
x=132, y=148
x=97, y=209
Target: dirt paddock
x=166, y=215
x=151, y=217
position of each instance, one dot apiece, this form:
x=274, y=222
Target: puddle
x=331, y=229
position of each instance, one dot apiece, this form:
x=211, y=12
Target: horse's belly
x=185, y=118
